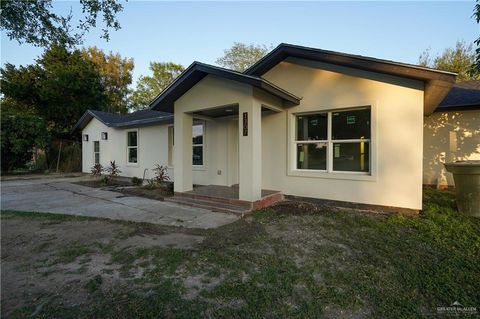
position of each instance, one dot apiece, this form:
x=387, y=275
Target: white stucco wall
x=219, y=139
x=225, y=141
x=397, y=128
x=449, y=136
x=152, y=141
x=220, y=151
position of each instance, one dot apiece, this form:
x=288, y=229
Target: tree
x=475, y=71
x=241, y=56
x=20, y=134
x=60, y=87
x=459, y=60
x=34, y=22
x=148, y=87
x=116, y=75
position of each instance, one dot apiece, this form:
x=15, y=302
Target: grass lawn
x=285, y=262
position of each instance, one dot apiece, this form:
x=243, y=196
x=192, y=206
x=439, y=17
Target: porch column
x=250, y=151
x=182, y=155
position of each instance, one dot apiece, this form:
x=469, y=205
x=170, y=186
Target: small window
x=105, y=136
x=85, y=137
x=96, y=152
x=132, y=147
x=197, y=144
x=348, y=136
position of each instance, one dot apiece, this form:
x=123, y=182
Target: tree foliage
x=34, y=22
x=20, y=133
x=60, y=87
x=459, y=59
x=475, y=72
x=116, y=76
x=241, y=56
x=149, y=86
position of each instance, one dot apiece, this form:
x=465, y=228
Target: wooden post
x=58, y=158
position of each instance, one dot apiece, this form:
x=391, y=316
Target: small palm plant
x=97, y=170
x=113, y=171
x=161, y=175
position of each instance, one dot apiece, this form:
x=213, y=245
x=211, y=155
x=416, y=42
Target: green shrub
x=97, y=170
x=137, y=181
x=169, y=187
x=113, y=171
x=20, y=134
x=161, y=174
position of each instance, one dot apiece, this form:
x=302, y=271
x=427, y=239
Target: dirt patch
x=299, y=208
x=100, y=184
x=197, y=283
x=45, y=261
x=127, y=188
x=32, y=264
x=172, y=240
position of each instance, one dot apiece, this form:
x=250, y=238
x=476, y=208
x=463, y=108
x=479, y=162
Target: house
x=302, y=121
x=452, y=133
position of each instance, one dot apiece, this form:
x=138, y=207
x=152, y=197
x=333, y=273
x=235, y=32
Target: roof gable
x=437, y=83
x=197, y=71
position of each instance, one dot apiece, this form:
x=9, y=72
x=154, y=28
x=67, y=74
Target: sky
x=184, y=32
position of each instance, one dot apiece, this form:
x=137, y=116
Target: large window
x=132, y=147
x=197, y=144
x=96, y=152
x=336, y=141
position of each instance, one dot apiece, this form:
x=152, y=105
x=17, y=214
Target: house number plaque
x=245, y=123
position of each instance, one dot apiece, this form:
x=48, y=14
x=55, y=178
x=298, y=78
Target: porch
x=224, y=199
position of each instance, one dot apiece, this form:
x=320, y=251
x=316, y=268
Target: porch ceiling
x=225, y=111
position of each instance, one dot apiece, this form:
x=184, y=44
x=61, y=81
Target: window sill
x=337, y=175
x=133, y=164
x=199, y=168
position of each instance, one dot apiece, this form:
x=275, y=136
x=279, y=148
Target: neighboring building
x=303, y=121
x=136, y=141
x=452, y=133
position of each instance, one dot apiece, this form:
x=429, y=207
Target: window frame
x=95, y=153
x=329, y=172
x=129, y=147
x=202, y=123
x=296, y=142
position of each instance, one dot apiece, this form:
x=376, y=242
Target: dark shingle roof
x=138, y=118
x=463, y=95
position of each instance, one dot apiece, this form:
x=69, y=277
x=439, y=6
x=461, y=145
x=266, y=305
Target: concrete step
x=208, y=204
x=215, y=199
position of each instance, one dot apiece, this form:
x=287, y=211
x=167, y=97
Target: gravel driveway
x=60, y=195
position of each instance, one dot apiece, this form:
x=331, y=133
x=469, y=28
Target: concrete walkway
x=59, y=195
